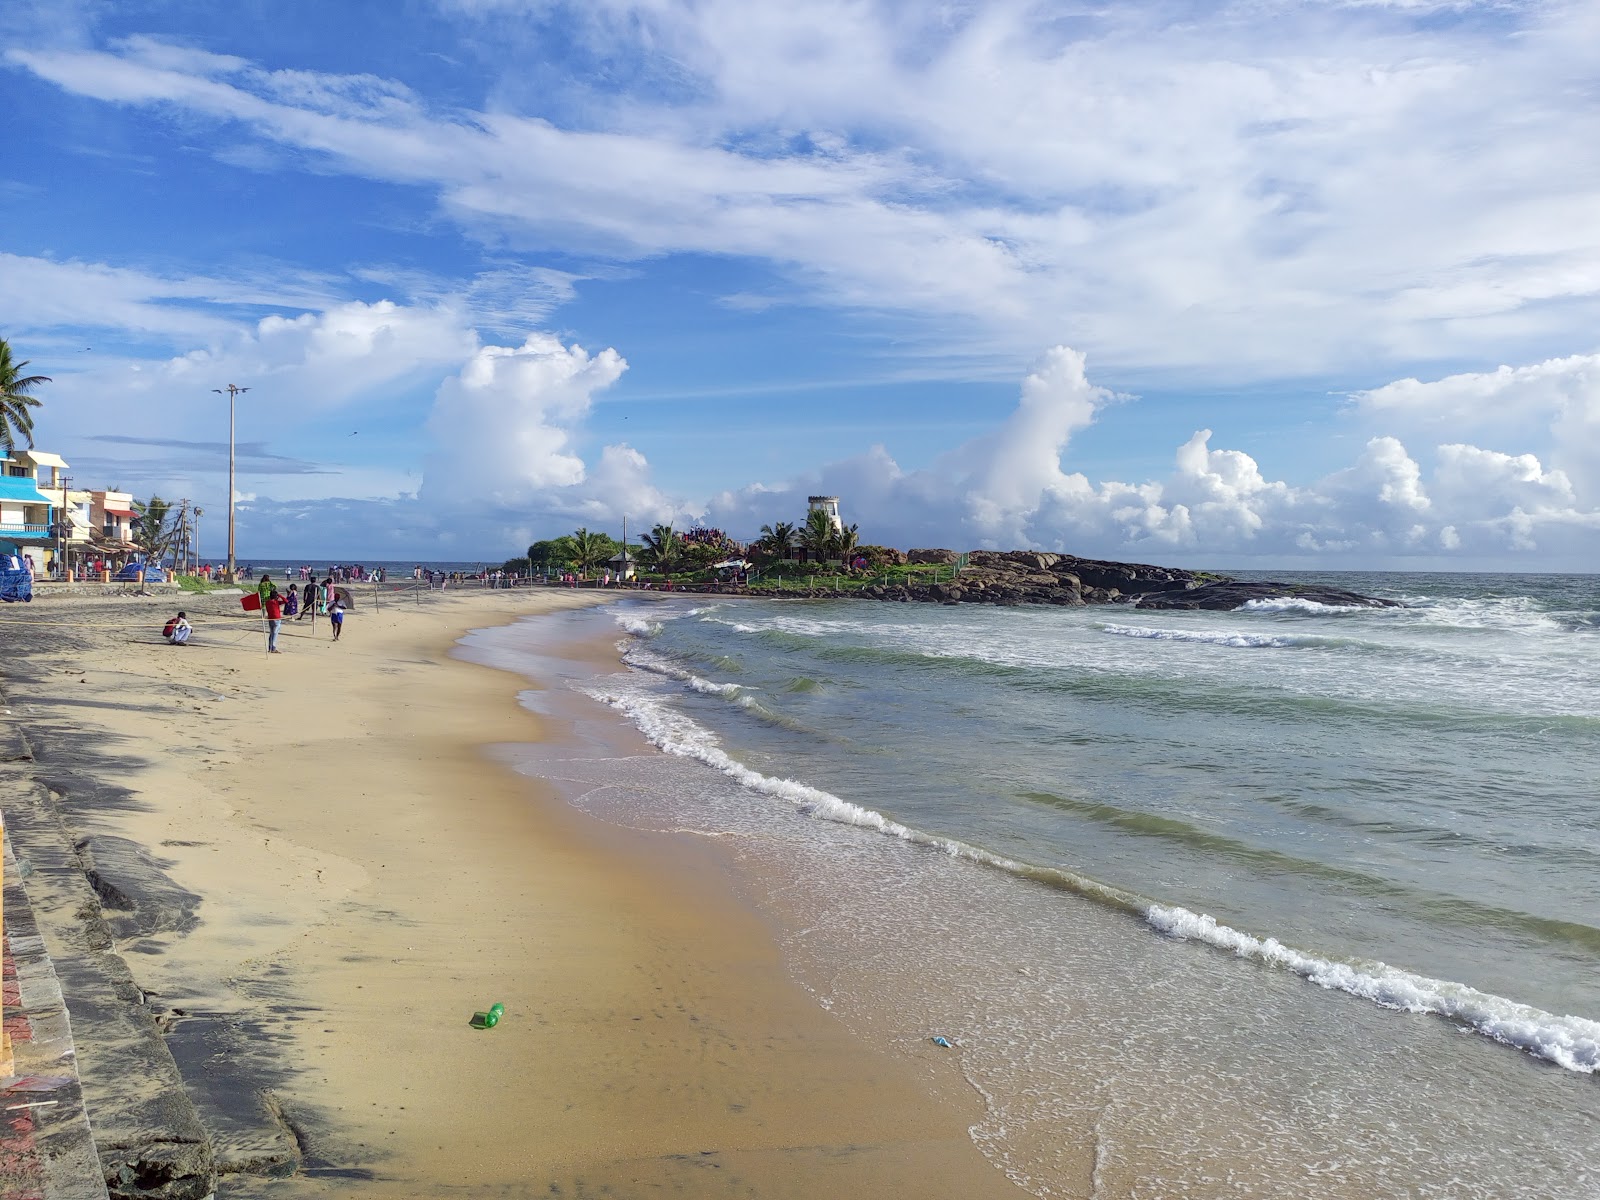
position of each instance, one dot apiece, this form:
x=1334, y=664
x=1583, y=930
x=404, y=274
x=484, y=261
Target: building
x=27, y=515
x=111, y=515
x=622, y=564
x=830, y=506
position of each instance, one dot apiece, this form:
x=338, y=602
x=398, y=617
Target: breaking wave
x=1238, y=641
x=1568, y=1041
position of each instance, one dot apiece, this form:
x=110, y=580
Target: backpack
x=171, y=625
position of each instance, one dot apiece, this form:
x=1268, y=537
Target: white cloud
x=1552, y=406
x=501, y=429
x=1010, y=489
x=1241, y=196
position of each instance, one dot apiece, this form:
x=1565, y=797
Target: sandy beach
x=356, y=876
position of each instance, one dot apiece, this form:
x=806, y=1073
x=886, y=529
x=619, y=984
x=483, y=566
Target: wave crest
x=1568, y=1041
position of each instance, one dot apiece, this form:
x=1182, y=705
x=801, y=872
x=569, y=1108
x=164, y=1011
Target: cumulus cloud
x=501, y=428
x=1554, y=404
x=1011, y=488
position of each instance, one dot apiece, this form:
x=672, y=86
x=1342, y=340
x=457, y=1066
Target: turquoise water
x=1323, y=877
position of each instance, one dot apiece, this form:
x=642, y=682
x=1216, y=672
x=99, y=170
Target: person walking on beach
x=264, y=587
x=291, y=602
x=308, y=602
x=272, y=606
x=336, y=615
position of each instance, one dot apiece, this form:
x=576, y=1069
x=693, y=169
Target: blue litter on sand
x=939, y=1041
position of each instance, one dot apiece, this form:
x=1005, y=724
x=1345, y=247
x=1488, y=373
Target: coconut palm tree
x=589, y=550
x=847, y=541
x=819, y=538
x=777, y=539
x=152, y=527
x=15, y=419
x=661, y=549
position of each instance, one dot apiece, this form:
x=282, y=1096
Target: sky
x=1293, y=283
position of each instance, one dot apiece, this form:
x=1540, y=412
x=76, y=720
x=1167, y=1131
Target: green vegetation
x=193, y=583
x=15, y=401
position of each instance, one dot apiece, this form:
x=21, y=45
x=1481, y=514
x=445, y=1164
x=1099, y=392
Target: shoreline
x=323, y=818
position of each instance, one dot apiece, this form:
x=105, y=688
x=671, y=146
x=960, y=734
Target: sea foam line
x=636, y=656
x=1569, y=1041
x=1297, y=604
x=1237, y=641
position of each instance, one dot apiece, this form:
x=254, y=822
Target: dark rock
x=939, y=557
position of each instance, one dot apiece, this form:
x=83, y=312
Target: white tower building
x=829, y=505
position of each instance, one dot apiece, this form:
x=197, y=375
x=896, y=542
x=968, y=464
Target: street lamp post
x=233, y=393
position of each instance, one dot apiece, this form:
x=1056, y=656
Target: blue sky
x=1268, y=282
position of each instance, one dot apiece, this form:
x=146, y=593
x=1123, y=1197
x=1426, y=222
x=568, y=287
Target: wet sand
x=369, y=877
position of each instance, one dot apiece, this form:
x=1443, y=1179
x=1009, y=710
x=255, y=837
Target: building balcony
x=28, y=533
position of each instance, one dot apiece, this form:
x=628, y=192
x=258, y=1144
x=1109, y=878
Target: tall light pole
x=233, y=393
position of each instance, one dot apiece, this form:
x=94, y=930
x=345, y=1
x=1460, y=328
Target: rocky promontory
x=1036, y=577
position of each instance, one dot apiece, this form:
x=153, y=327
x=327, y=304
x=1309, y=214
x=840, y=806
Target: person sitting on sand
x=177, y=630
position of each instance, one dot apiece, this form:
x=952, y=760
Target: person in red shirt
x=272, y=606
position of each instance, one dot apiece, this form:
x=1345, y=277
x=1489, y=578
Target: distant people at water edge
x=177, y=630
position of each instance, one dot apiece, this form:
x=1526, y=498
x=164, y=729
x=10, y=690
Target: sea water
x=1290, y=900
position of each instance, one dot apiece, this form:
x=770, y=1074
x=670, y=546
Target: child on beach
x=336, y=615
x=273, y=608
x=291, y=602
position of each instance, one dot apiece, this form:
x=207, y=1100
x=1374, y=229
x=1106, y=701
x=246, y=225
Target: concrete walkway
x=47, y=1150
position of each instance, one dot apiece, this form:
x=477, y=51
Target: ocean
x=1285, y=901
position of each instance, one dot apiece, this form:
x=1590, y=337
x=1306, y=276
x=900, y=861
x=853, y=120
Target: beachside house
x=27, y=515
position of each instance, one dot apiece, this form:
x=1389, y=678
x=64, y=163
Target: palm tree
x=151, y=527
x=661, y=548
x=589, y=550
x=777, y=539
x=15, y=419
x=819, y=538
x=847, y=541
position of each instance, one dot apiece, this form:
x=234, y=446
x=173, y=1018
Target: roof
x=20, y=487
x=42, y=457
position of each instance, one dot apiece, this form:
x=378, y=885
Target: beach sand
x=368, y=877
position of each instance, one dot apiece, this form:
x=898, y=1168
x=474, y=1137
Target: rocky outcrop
x=1229, y=594
x=1008, y=577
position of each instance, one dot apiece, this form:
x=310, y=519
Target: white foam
x=1238, y=641
x=1569, y=1041
x=656, y=664
x=636, y=625
x=1297, y=604
x=675, y=733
